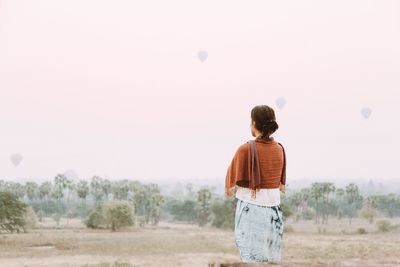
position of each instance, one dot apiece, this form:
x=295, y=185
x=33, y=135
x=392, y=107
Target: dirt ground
x=169, y=244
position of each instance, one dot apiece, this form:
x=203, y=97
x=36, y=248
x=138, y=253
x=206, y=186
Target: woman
x=256, y=176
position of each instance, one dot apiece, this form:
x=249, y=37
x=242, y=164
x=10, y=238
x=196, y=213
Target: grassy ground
x=189, y=245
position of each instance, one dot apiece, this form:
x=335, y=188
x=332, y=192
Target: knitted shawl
x=245, y=171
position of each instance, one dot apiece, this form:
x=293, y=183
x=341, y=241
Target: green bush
x=184, y=211
x=286, y=210
x=118, y=213
x=111, y=214
x=96, y=219
x=224, y=213
x=12, y=213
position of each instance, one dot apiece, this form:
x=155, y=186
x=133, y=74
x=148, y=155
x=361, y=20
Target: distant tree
x=389, y=204
x=32, y=190
x=223, y=211
x=368, y=210
x=184, y=211
x=12, y=212
x=15, y=188
x=96, y=189
x=82, y=189
x=204, y=206
x=45, y=190
x=106, y=186
x=148, y=201
x=60, y=183
x=295, y=200
x=316, y=194
x=326, y=188
x=70, y=186
x=339, y=197
x=353, y=199
x=156, y=202
x=120, y=189
x=189, y=190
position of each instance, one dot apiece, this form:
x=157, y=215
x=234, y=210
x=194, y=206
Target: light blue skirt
x=258, y=232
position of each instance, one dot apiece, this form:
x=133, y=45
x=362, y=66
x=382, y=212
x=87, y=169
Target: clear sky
x=116, y=88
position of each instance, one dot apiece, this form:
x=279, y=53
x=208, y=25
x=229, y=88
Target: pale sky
x=115, y=88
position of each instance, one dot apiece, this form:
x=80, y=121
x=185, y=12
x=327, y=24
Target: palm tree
x=120, y=189
x=60, y=183
x=82, y=189
x=32, y=190
x=326, y=189
x=204, y=208
x=316, y=194
x=44, y=193
x=96, y=188
x=353, y=197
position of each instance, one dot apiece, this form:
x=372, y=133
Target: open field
x=189, y=245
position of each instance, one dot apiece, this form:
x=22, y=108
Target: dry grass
x=189, y=245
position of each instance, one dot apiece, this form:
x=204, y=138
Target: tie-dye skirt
x=258, y=232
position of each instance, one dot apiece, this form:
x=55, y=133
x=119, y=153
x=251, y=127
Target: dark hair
x=265, y=120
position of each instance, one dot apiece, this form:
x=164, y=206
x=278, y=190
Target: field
x=189, y=245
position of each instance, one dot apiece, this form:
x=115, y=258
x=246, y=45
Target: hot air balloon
x=16, y=159
x=280, y=102
x=366, y=112
x=202, y=55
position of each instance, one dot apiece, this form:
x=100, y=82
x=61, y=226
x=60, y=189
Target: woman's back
x=270, y=156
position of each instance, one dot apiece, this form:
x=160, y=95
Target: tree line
x=101, y=202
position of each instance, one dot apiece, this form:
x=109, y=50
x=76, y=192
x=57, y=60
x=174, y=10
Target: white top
x=265, y=197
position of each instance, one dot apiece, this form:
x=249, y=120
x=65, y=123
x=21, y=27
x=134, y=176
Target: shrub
x=118, y=213
x=368, y=213
x=95, y=219
x=12, y=213
x=383, y=225
x=224, y=213
x=184, y=211
x=286, y=210
x=30, y=218
x=112, y=214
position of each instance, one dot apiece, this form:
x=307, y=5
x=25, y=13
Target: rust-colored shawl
x=245, y=171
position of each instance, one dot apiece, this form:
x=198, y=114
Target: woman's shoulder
x=243, y=148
